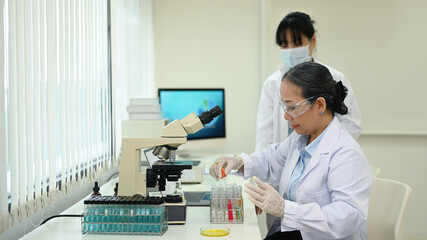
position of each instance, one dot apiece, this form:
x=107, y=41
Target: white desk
x=197, y=217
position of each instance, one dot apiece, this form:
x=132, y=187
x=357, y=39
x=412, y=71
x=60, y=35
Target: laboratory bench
x=197, y=217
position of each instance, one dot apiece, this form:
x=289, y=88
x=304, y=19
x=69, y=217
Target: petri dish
x=214, y=231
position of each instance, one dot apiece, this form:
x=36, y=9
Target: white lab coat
x=332, y=198
x=273, y=128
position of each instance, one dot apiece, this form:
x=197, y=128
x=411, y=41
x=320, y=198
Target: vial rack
x=226, y=204
x=124, y=215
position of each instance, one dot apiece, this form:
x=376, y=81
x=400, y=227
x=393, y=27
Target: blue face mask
x=294, y=56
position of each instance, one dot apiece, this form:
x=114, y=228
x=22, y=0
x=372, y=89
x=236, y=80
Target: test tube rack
x=135, y=215
x=226, y=204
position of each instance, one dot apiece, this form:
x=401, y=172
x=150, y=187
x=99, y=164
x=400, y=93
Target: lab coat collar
x=330, y=136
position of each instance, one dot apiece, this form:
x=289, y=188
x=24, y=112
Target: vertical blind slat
x=79, y=91
x=95, y=93
x=13, y=107
x=21, y=101
x=88, y=84
x=101, y=136
x=83, y=59
x=104, y=78
x=3, y=133
x=104, y=57
x=36, y=98
x=110, y=121
x=62, y=83
x=28, y=42
x=105, y=81
x=43, y=92
x=67, y=87
x=87, y=81
x=73, y=76
x=100, y=85
x=52, y=89
x=94, y=97
x=91, y=73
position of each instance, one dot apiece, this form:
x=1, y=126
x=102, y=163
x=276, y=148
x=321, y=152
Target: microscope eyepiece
x=207, y=116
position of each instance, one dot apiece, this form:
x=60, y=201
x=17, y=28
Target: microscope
x=134, y=181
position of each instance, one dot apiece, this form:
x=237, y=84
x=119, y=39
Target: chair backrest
x=387, y=208
x=375, y=171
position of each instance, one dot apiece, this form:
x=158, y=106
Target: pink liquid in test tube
x=230, y=212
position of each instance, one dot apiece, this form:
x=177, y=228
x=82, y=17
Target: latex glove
x=265, y=197
x=228, y=163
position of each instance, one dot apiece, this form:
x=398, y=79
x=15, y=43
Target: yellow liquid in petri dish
x=215, y=232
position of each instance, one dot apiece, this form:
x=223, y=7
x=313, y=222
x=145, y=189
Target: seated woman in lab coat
x=325, y=178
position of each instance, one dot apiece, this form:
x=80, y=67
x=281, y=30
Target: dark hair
x=315, y=80
x=297, y=23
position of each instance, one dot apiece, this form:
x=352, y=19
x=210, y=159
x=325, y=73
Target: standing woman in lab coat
x=296, y=38
x=324, y=177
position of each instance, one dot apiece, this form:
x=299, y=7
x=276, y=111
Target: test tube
x=221, y=204
x=121, y=216
x=149, y=218
x=95, y=216
x=239, y=203
x=144, y=218
x=234, y=200
x=229, y=204
x=157, y=219
x=132, y=218
x=138, y=216
x=214, y=204
x=88, y=215
x=128, y=214
x=217, y=204
x=116, y=212
x=105, y=217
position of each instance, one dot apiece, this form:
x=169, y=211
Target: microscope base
x=177, y=212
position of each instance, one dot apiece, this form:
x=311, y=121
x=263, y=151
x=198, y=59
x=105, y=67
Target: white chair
x=387, y=208
x=375, y=171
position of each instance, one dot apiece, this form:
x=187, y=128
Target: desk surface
x=197, y=217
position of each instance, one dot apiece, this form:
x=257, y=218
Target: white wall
x=200, y=43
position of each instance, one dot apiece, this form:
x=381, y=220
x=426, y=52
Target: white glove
x=229, y=163
x=265, y=197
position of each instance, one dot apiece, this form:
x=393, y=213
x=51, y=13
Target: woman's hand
x=228, y=163
x=264, y=196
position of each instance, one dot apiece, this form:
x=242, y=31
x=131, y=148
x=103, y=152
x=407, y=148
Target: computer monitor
x=176, y=103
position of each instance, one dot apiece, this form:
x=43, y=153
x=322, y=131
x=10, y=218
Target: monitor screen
x=178, y=103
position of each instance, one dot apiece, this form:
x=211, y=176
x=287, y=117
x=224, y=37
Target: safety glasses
x=297, y=109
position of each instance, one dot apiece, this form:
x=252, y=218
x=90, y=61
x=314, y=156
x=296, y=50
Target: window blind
x=3, y=146
x=57, y=133
x=55, y=102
